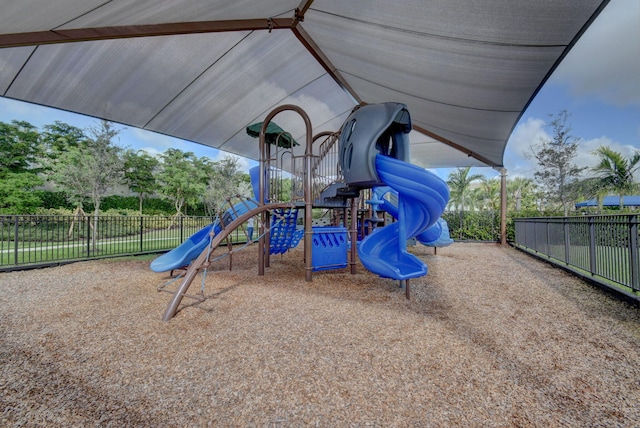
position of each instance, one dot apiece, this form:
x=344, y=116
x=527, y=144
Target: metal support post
x=308, y=203
x=353, y=230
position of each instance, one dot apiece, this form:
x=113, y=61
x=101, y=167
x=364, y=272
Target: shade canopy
x=272, y=135
x=611, y=201
x=204, y=70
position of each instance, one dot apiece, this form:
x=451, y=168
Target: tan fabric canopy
x=203, y=70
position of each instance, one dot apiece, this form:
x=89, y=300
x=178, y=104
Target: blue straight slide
x=422, y=197
x=190, y=249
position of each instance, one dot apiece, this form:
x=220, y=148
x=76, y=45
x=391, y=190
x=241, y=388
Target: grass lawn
x=612, y=264
x=47, y=252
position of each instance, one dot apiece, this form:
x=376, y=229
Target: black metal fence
x=32, y=240
x=42, y=240
x=602, y=248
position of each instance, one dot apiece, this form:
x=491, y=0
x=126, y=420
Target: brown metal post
x=308, y=203
x=353, y=229
x=261, y=186
x=266, y=216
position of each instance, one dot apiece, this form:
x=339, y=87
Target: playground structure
x=190, y=249
x=369, y=156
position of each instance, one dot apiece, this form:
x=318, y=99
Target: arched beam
x=143, y=30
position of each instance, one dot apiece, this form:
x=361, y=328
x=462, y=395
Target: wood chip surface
x=490, y=337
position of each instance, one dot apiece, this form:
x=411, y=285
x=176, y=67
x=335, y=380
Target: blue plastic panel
x=329, y=248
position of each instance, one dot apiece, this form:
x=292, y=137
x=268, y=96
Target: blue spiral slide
x=436, y=235
x=422, y=197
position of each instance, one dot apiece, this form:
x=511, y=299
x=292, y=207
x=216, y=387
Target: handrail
x=601, y=248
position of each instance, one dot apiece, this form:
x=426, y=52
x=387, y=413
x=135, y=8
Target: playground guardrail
x=28, y=241
x=600, y=248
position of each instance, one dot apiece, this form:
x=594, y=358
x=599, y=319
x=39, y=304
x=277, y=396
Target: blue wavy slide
x=186, y=252
x=422, y=197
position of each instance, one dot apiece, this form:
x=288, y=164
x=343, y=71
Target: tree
x=59, y=137
x=459, y=182
x=139, y=173
x=16, y=193
x=616, y=173
x=19, y=151
x=90, y=170
x=556, y=170
x=19, y=147
x=182, y=177
x=226, y=180
x=589, y=188
x=521, y=193
x=490, y=188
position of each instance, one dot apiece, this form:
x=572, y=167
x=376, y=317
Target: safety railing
x=601, y=248
x=34, y=240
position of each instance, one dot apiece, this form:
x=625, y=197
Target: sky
x=598, y=83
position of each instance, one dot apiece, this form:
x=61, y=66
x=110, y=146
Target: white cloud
x=527, y=134
x=158, y=141
x=243, y=163
x=152, y=151
x=530, y=132
x=517, y=158
x=586, y=157
x=605, y=62
x=155, y=144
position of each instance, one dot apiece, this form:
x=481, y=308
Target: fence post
x=141, y=233
x=88, y=237
x=548, y=245
x=633, y=251
x=15, y=240
x=181, y=229
x=567, y=241
x=592, y=245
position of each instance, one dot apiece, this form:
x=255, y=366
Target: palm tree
x=591, y=187
x=519, y=189
x=490, y=188
x=474, y=199
x=459, y=182
x=616, y=171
